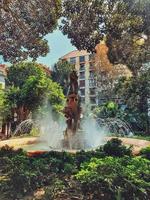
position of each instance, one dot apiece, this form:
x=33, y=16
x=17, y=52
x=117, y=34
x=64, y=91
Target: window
x=82, y=91
x=82, y=83
x=92, y=66
x=82, y=99
x=73, y=60
x=82, y=75
x=92, y=83
x=82, y=59
x=91, y=75
x=93, y=91
x=82, y=67
x=93, y=100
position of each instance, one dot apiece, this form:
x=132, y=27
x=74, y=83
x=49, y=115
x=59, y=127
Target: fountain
x=72, y=112
x=85, y=134
x=116, y=126
x=24, y=127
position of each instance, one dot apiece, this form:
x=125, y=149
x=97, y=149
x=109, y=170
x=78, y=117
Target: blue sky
x=59, y=46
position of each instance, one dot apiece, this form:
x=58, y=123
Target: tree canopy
x=135, y=92
x=28, y=86
x=60, y=74
x=23, y=25
x=124, y=24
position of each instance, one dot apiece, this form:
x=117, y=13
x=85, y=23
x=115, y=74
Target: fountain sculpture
x=72, y=112
x=76, y=135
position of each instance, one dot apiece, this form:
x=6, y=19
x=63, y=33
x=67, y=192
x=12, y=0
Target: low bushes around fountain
x=115, y=178
x=64, y=175
x=145, y=152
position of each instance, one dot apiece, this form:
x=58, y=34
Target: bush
x=115, y=178
x=85, y=156
x=7, y=151
x=54, y=189
x=115, y=148
x=145, y=152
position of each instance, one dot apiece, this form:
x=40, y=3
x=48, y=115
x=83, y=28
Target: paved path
x=23, y=142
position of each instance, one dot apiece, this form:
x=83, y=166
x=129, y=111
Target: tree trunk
x=3, y=128
x=22, y=113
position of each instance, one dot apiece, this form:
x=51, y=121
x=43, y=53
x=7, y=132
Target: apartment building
x=85, y=68
x=2, y=85
x=2, y=75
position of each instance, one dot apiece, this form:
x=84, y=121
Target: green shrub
x=7, y=151
x=84, y=156
x=69, y=168
x=115, y=178
x=54, y=189
x=115, y=148
x=145, y=152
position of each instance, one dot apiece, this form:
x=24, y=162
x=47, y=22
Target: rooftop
x=75, y=53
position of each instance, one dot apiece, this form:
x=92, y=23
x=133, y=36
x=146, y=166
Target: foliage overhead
x=123, y=24
x=23, y=24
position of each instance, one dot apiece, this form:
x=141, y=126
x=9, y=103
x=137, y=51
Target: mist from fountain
x=94, y=135
x=24, y=127
x=116, y=126
x=91, y=134
x=51, y=130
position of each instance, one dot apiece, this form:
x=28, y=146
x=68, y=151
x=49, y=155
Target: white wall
x=2, y=81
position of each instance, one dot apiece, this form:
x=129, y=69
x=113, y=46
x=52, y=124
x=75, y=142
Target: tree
x=60, y=74
x=107, y=74
x=135, y=92
x=23, y=25
x=28, y=86
x=123, y=23
x=5, y=113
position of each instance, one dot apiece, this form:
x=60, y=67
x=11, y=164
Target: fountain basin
x=34, y=146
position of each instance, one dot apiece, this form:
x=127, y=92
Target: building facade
x=85, y=68
x=2, y=75
x=2, y=85
x=96, y=90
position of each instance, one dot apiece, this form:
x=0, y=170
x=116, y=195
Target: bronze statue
x=72, y=110
x=73, y=83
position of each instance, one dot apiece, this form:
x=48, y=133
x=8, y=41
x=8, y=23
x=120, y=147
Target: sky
x=59, y=46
